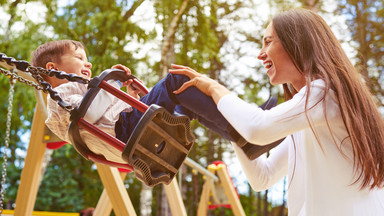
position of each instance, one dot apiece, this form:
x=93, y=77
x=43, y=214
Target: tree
x=218, y=38
x=364, y=19
x=17, y=40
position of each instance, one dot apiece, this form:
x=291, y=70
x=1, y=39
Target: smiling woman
x=333, y=150
x=281, y=69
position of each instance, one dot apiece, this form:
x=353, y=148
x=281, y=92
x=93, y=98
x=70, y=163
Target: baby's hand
x=122, y=67
x=131, y=90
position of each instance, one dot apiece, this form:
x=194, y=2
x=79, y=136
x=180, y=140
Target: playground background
x=219, y=38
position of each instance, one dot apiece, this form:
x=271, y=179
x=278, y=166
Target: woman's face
x=280, y=67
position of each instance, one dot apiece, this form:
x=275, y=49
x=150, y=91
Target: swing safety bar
x=199, y=168
x=142, y=107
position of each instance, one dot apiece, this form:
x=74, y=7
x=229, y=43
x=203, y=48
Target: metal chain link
x=7, y=139
x=21, y=79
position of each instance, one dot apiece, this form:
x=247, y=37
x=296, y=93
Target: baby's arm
x=100, y=103
x=103, y=100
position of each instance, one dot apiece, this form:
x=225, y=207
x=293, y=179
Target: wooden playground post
x=30, y=176
x=230, y=190
x=174, y=198
x=104, y=205
x=117, y=194
x=205, y=193
x=226, y=182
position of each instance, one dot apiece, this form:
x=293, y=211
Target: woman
x=333, y=152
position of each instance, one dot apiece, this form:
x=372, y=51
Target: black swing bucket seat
x=156, y=148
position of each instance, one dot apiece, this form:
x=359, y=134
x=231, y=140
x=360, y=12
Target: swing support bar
x=142, y=107
x=100, y=134
x=188, y=161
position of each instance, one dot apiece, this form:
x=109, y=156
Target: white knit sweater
x=320, y=176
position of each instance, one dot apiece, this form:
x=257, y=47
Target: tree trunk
x=145, y=200
x=169, y=40
x=258, y=203
x=251, y=200
x=310, y=4
x=282, y=211
x=266, y=212
x=165, y=210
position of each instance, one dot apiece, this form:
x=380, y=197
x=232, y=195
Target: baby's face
x=75, y=61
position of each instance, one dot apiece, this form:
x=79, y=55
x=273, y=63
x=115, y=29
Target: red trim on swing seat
x=142, y=107
x=102, y=160
x=55, y=145
x=107, y=138
x=139, y=85
x=215, y=206
x=101, y=134
x=125, y=170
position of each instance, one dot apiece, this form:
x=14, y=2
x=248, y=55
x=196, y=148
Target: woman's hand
x=205, y=84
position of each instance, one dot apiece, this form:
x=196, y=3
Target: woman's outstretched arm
x=205, y=84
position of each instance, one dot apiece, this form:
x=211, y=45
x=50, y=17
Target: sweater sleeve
x=101, y=103
x=266, y=126
x=262, y=173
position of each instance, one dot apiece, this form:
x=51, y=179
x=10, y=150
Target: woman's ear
x=50, y=65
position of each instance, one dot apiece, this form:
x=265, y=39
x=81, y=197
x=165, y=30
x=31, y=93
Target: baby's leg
x=192, y=102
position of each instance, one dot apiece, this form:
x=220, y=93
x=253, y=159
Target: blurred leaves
x=218, y=38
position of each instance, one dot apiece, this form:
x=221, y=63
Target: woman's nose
x=262, y=56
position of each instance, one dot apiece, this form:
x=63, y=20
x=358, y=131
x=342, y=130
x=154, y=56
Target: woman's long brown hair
x=317, y=53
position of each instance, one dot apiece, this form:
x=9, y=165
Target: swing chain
x=36, y=73
x=47, y=88
x=20, y=79
x=7, y=139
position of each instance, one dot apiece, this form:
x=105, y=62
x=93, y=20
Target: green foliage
x=70, y=184
x=18, y=44
x=103, y=27
x=365, y=19
x=201, y=41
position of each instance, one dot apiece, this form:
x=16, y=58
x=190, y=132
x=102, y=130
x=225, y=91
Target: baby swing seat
x=156, y=148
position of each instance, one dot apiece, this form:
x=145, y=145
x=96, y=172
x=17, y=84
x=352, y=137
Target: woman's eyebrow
x=266, y=38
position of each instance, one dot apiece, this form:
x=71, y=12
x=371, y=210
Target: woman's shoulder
x=317, y=89
x=318, y=84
